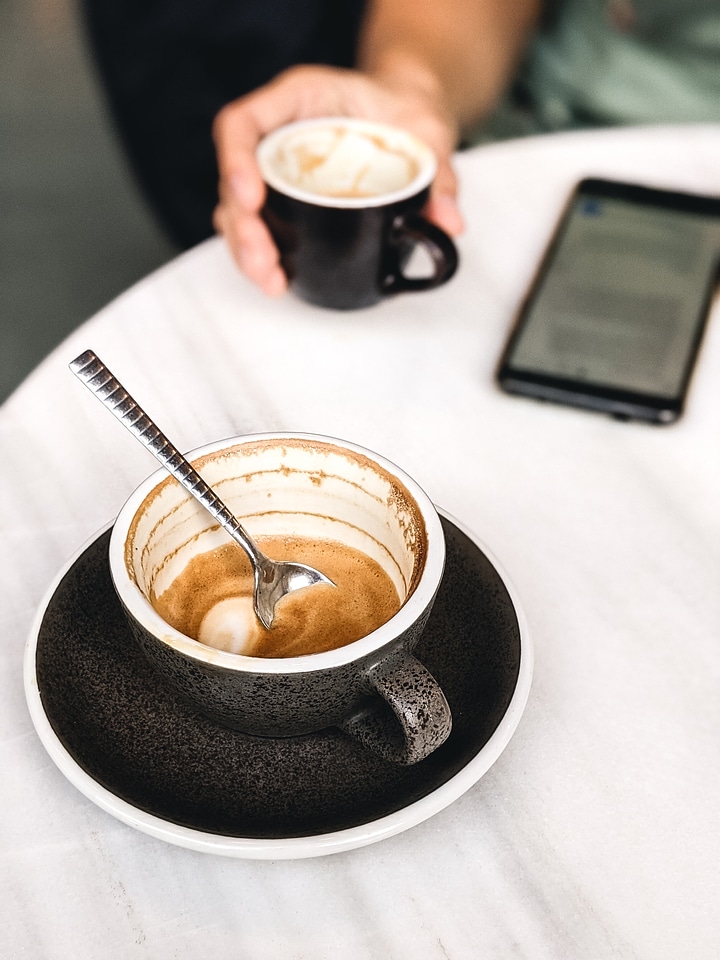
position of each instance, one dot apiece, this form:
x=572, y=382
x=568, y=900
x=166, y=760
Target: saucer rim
x=283, y=848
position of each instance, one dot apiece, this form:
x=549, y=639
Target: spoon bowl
x=272, y=579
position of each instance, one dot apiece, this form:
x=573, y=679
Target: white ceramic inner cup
x=345, y=162
x=275, y=485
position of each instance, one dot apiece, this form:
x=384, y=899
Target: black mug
x=291, y=485
x=344, y=201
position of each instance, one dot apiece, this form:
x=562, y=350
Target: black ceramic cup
x=344, y=202
x=294, y=485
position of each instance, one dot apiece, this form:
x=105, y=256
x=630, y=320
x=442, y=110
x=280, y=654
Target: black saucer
x=120, y=735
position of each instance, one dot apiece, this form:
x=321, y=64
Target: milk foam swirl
x=339, y=161
x=211, y=600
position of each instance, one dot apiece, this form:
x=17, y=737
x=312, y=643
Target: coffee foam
x=230, y=625
x=338, y=159
x=278, y=486
x=211, y=600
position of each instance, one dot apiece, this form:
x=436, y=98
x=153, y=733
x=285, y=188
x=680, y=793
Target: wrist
x=405, y=71
x=410, y=77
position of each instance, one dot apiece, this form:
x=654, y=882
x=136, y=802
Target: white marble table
x=596, y=833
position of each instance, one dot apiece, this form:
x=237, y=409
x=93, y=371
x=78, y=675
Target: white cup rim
x=145, y=614
x=424, y=178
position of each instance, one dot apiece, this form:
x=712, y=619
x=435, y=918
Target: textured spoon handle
x=99, y=380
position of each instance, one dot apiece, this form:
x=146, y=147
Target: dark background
x=74, y=231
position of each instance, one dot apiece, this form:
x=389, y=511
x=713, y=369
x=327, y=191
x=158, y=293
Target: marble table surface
x=595, y=834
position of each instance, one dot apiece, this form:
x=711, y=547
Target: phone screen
x=620, y=301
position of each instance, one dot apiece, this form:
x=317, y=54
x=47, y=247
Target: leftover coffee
x=211, y=600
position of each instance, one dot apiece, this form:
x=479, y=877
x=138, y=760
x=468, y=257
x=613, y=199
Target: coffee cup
x=336, y=656
x=344, y=201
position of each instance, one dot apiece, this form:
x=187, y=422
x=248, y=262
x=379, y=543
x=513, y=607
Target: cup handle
x=408, y=231
x=419, y=720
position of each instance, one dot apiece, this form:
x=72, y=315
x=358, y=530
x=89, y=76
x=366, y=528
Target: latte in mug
x=340, y=161
x=344, y=206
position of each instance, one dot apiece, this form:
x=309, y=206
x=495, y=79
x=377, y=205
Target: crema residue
x=211, y=600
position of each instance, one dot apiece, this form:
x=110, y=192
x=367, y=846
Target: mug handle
x=409, y=230
x=420, y=719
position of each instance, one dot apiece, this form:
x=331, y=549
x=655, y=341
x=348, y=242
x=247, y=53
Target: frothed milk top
x=351, y=160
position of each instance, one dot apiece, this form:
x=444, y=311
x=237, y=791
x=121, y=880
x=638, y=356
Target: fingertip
x=258, y=259
x=248, y=189
x=443, y=210
x=275, y=284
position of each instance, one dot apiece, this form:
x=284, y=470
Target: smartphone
x=615, y=315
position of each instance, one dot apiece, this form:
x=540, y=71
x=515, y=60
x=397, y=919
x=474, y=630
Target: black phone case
x=619, y=403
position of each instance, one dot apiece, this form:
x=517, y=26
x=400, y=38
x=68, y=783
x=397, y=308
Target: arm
x=464, y=51
x=433, y=66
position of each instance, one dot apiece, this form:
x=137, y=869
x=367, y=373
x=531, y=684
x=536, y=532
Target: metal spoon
x=273, y=578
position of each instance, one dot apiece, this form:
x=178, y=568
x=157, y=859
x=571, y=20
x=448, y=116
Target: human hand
x=301, y=93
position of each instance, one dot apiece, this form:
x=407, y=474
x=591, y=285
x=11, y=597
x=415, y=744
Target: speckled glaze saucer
x=129, y=745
